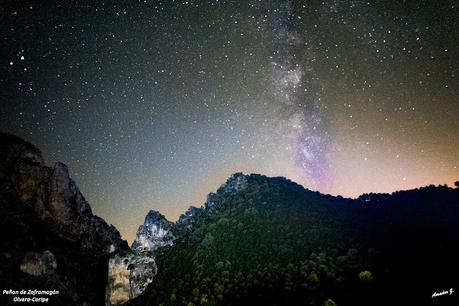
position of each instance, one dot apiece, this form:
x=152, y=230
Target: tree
x=366, y=276
x=312, y=280
x=329, y=302
x=456, y=183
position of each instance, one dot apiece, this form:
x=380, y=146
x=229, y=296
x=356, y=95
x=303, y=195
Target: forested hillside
x=269, y=241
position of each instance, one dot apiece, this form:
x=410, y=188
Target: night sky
x=153, y=104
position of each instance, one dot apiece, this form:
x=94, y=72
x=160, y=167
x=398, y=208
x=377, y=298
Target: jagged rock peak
x=236, y=182
x=187, y=219
x=129, y=273
x=66, y=197
x=155, y=232
x=154, y=216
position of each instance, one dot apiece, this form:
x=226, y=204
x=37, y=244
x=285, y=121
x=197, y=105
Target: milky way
x=300, y=96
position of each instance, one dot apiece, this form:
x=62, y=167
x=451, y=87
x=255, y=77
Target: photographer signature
x=444, y=292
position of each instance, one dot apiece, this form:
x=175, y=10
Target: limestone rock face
x=130, y=272
x=142, y=270
x=118, y=286
x=74, y=217
x=39, y=264
x=154, y=233
x=129, y=275
x=49, y=238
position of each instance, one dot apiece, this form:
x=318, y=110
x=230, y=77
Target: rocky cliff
x=155, y=232
x=130, y=272
x=50, y=239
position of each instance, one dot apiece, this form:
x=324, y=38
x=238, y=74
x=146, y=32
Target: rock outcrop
x=49, y=237
x=187, y=219
x=129, y=275
x=39, y=264
x=130, y=272
x=154, y=233
x=235, y=183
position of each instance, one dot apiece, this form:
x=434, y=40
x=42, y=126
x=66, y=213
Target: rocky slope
x=130, y=272
x=50, y=238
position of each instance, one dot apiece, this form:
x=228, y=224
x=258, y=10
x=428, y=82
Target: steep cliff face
x=154, y=233
x=49, y=237
x=130, y=272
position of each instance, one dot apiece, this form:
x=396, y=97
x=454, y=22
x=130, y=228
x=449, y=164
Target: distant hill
x=269, y=241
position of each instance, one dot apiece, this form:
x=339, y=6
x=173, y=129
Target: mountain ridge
x=273, y=224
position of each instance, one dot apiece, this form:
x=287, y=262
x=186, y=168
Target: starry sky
x=153, y=104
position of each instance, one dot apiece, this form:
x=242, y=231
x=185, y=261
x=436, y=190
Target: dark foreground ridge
x=269, y=241
x=50, y=240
